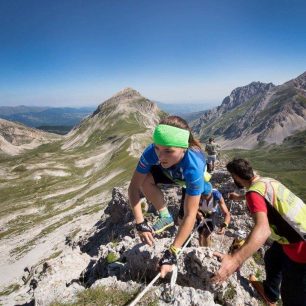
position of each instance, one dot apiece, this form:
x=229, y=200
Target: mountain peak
x=242, y=94
x=124, y=96
x=127, y=92
x=126, y=113
x=302, y=76
x=299, y=83
x=252, y=89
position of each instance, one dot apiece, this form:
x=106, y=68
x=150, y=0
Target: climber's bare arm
x=257, y=237
x=236, y=196
x=226, y=213
x=191, y=206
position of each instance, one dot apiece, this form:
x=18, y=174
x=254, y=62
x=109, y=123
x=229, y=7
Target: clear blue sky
x=80, y=52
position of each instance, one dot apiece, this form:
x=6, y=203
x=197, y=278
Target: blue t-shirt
x=216, y=195
x=189, y=170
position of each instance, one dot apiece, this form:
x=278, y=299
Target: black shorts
x=160, y=178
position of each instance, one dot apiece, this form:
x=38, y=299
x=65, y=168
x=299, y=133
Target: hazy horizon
x=210, y=104
x=78, y=54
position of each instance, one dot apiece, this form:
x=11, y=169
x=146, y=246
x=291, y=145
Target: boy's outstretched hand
x=235, y=196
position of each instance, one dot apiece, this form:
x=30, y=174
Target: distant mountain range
x=257, y=113
x=127, y=118
x=63, y=117
x=61, y=120
x=185, y=110
x=252, y=115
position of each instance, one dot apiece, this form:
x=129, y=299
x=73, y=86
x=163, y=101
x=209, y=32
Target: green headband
x=171, y=136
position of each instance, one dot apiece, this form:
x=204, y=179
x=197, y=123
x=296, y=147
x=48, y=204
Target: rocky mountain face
x=243, y=94
x=109, y=253
x=256, y=114
x=15, y=138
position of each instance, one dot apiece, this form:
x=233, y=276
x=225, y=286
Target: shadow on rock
x=115, y=224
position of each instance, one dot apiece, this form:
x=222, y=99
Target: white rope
x=141, y=294
x=173, y=277
x=175, y=268
x=191, y=236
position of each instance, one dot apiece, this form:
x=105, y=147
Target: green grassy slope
x=286, y=163
x=28, y=198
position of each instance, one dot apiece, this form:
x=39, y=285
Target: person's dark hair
x=182, y=124
x=211, y=139
x=240, y=167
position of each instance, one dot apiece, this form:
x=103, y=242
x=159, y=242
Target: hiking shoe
x=258, y=286
x=162, y=223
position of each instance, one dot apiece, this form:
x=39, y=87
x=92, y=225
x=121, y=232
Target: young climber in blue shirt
x=211, y=200
x=175, y=157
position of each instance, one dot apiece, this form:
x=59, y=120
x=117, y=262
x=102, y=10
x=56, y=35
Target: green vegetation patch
x=111, y=257
x=298, y=139
x=229, y=293
x=301, y=99
x=28, y=199
x=8, y=290
x=258, y=258
x=114, y=129
x=286, y=164
x=108, y=296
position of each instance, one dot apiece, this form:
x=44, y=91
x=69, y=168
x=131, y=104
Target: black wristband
x=206, y=214
x=168, y=259
x=143, y=227
x=224, y=224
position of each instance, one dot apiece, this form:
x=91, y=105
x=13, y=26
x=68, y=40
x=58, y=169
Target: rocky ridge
x=112, y=255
